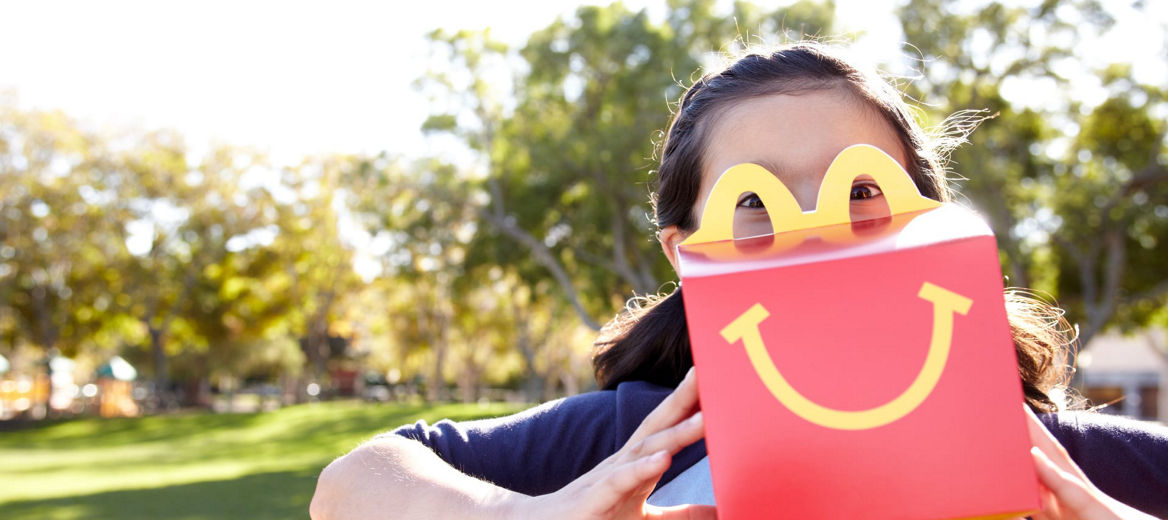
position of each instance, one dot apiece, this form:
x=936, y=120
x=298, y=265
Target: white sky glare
x=298, y=78
x=295, y=78
x=291, y=78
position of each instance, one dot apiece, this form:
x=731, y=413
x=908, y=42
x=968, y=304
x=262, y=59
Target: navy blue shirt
x=540, y=450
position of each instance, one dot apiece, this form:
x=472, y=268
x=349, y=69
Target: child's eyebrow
x=777, y=169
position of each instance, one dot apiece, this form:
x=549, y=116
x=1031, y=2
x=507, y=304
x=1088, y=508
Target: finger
x=682, y=512
x=674, y=439
x=632, y=476
x=1048, y=503
x=1066, y=495
x=675, y=408
x=671, y=440
x=1041, y=438
x=1069, y=492
x=668, y=442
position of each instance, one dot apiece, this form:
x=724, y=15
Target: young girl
x=601, y=455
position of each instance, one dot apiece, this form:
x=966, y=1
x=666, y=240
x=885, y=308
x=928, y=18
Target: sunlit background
x=297, y=78
x=234, y=208
x=293, y=79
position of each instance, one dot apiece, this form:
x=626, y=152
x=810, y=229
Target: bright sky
x=295, y=78
x=289, y=77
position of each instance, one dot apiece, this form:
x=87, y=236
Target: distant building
x=1129, y=371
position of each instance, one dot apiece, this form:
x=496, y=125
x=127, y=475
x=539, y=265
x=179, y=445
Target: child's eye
x=750, y=200
x=865, y=191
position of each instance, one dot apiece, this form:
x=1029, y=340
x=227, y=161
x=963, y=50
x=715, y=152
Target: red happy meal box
x=855, y=370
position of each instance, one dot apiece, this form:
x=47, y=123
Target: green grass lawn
x=194, y=465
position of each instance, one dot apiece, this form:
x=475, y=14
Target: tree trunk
x=1102, y=296
x=470, y=380
x=436, y=390
x=542, y=255
x=316, y=339
x=48, y=334
x=161, y=368
x=534, y=383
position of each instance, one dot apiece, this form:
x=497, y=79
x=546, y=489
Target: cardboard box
x=855, y=370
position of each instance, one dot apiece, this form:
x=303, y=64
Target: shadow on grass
x=123, y=431
x=306, y=423
x=264, y=495
x=324, y=431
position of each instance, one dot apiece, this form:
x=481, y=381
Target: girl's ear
x=670, y=237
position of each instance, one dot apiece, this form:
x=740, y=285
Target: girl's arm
x=400, y=478
x=393, y=477
x=1067, y=493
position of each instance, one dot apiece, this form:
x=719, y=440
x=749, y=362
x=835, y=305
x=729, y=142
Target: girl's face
x=795, y=137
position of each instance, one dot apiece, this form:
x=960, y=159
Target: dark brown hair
x=649, y=341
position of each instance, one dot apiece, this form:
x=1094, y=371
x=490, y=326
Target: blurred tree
x=550, y=212
x=317, y=276
x=231, y=268
x=104, y=249
x=386, y=311
x=189, y=226
x=564, y=141
x=480, y=347
x=543, y=334
x=1076, y=189
x=58, y=228
x=425, y=218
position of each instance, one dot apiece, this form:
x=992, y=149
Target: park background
x=278, y=228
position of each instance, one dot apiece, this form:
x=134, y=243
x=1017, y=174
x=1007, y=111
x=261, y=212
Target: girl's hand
x=1066, y=491
x=618, y=486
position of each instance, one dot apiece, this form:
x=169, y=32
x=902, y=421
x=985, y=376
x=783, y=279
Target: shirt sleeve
x=540, y=450
x=1125, y=458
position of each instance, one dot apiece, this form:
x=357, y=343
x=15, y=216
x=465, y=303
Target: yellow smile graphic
x=946, y=303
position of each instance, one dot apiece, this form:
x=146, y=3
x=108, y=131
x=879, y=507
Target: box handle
x=831, y=207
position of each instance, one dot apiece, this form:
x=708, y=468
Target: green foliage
x=497, y=268
x=551, y=217
x=143, y=253
x=569, y=163
x=1077, y=190
x=52, y=264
